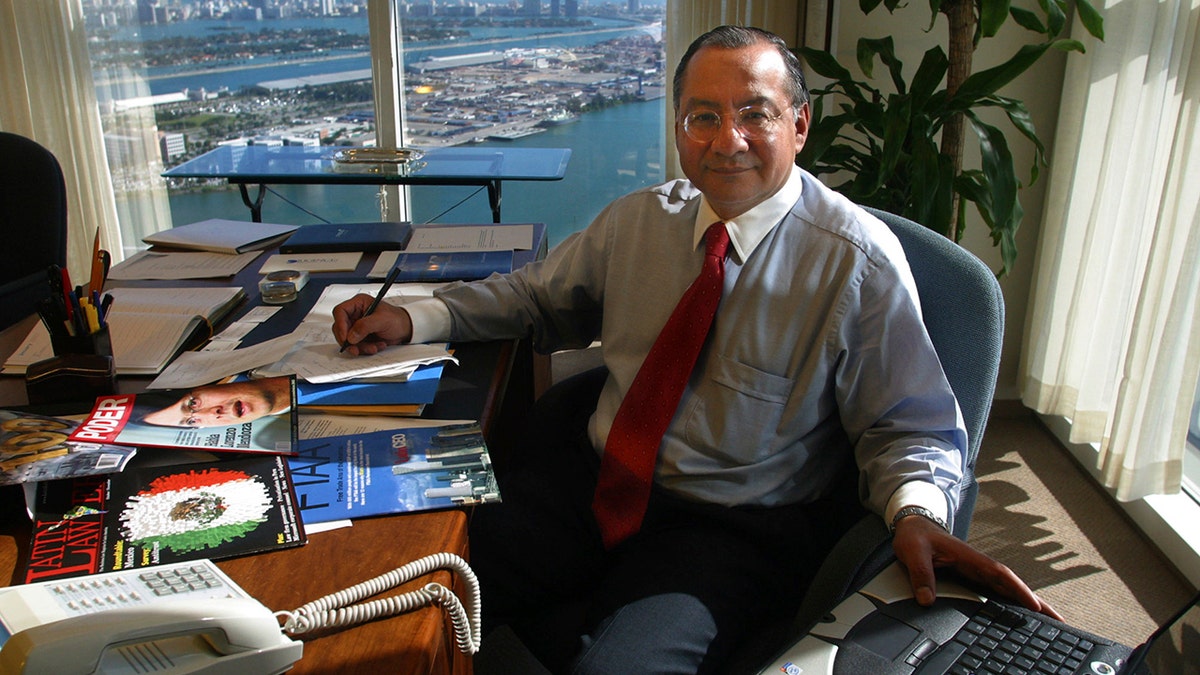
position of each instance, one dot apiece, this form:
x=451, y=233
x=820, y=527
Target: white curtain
x=47, y=94
x=1113, y=332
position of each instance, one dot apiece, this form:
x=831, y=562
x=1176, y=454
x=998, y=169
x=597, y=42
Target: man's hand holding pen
x=370, y=333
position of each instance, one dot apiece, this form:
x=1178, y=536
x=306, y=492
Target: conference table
x=493, y=383
x=263, y=165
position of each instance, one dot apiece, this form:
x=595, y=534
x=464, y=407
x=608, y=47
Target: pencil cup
x=81, y=370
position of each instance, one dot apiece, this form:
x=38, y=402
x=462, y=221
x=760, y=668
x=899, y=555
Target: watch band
x=917, y=511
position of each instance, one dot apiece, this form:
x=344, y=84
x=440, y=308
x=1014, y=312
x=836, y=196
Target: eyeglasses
x=753, y=122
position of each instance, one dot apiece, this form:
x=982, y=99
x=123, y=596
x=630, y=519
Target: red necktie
x=627, y=467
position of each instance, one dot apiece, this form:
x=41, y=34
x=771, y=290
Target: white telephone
x=185, y=618
x=178, y=618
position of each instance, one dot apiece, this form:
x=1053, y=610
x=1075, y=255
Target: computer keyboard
x=999, y=641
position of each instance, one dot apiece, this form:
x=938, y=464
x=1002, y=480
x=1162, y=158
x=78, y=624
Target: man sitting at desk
x=817, y=355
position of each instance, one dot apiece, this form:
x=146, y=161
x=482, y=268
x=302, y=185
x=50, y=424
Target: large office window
x=176, y=79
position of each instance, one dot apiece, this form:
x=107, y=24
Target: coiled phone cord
x=336, y=611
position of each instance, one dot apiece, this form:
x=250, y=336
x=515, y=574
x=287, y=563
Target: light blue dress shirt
x=817, y=351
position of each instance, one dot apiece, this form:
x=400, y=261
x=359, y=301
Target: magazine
x=148, y=515
x=35, y=448
x=245, y=416
x=392, y=471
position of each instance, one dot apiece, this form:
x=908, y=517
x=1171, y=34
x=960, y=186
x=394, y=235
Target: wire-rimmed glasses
x=753, y=122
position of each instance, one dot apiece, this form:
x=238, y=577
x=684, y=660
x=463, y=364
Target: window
x=177, y=79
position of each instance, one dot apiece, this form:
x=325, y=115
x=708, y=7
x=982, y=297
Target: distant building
x=171, y=145
x=445, y=62
x=572, y=8
x=306, y=141
x=533, y=7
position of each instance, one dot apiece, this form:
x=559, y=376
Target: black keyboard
x=999, y=641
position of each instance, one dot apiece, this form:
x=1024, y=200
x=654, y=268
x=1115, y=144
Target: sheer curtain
x=47, y=94
x=1113, y=332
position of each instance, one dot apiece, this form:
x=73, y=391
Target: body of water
x=250, y=72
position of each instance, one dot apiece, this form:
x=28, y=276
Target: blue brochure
x=392, y=471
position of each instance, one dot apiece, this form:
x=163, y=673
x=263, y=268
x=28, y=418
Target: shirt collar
x=748, y=230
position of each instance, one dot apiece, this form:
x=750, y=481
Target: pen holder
x=81, y=370
x=98, y=343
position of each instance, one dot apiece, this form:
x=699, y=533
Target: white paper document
x=312, y=262
x=334, y=294
x=471, y=238
x=322, y=362
x=324, y=425
x=181, y=265
x=222, y=236
x=192, y=369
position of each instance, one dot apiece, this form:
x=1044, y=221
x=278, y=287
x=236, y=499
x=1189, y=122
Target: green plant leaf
x=1091, y=19
x=1028, y=20
x=1056, y=16
x=987, y=82
x=1001, y=183
x=928, y=77
x=931, y=187
x=824, y=64
x=895, y=131
x=992, y=15
x=868, y=5
x=885, y=49
x=1069, y=46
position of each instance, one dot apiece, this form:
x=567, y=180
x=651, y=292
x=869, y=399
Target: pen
x=96, y=280
x=387, y=284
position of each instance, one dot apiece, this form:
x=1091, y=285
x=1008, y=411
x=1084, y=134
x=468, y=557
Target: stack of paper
x=399, y=380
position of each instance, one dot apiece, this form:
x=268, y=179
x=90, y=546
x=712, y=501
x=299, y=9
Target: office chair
x=33, y=201
x=963, y=311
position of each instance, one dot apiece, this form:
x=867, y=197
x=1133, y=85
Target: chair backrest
x=33, y=201
x=964, y=313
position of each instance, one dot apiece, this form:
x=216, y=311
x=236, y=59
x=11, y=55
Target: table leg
x=256, y=205
x=494, y=199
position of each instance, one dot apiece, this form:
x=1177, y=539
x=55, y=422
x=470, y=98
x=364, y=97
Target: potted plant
x=901, y=151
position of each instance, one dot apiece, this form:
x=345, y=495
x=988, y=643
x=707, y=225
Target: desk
x=300, y=165
x=484, y=387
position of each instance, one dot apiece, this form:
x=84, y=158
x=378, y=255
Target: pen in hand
x=387, y=284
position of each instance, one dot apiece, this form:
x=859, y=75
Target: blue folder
x=421, y=387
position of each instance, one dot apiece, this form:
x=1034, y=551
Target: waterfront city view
x=586, y=76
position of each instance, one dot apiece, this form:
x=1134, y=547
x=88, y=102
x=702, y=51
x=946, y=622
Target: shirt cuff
x=430, y=320
x=917, y=493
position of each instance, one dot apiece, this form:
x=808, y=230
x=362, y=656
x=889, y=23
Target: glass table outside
x=263, y=165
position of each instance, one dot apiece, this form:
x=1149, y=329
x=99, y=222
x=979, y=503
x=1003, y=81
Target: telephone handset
x=229, y=635
x=191, y=618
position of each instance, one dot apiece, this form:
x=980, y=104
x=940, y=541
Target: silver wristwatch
x=916, y=511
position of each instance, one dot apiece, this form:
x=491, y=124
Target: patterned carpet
x=1041, y=515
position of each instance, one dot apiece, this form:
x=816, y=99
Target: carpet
x=1039, y=513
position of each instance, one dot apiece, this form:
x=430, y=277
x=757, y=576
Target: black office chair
x=963, y=311
x=33, y=208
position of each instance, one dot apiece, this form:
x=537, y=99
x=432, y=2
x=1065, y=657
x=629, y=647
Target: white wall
x=1039, y=88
